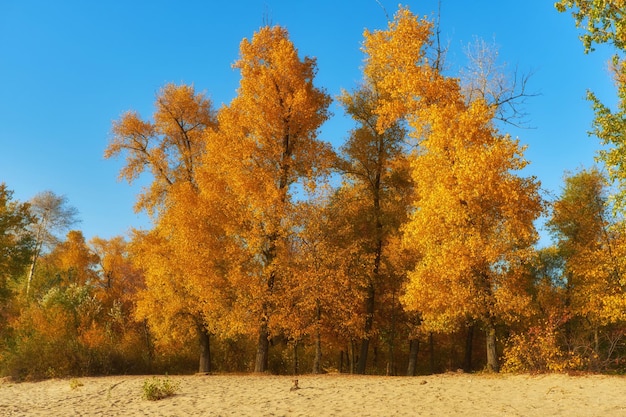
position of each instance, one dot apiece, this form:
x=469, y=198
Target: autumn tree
x=170, y=148
x=53, y=215
x=75, y=259
x=318, y=306
x=374, y=165
x=60, y=309
x=116, y=287
x=266, y=143
x=168, y=303
x=16, y=250
x=473, y=217
x=486, y=78
x=603, y=24
x=15, y=243
x=590, y=241
x=118, y=279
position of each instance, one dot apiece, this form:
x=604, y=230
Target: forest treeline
x=410, y=249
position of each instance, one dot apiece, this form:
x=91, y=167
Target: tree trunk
x=492, y=355
x=31, y=269
x=205, y=350
x=431, y=348
x=296, y=362
x=353, y=357
x=469, y=344
x=369, y=321
x=263, y=347
x=341, y=361
x=414, y=348
x=391, y=360
x=149, y=344
x=317, y=360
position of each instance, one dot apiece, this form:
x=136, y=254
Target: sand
x=323, y=395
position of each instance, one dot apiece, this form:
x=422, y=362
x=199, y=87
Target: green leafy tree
x=603, y=22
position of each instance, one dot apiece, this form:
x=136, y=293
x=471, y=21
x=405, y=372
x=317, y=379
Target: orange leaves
x=592, y=244
x=169, y=148
x=278, y=110
x=472, y=214
x=398, y=64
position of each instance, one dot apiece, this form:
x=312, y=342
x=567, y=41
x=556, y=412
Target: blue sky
x=68, y=68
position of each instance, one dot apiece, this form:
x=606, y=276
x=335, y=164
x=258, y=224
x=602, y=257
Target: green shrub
x=75, y=383
x=155, y=388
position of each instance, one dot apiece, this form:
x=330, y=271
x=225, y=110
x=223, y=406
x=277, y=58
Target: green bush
x=156, y=389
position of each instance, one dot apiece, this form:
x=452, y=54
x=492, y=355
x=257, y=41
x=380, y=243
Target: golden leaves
x=472, y=214
x=169, y=148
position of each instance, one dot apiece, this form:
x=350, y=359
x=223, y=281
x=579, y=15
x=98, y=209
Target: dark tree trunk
x=469, y=343
x=205, y=350
x=340, y=362
x=149, y=344
x=317, y=360
x=492, y=355
x=391, y=360
x=353, y=357
x=296, y=362
x=431, y=348
x=263, y=347
x=414, y=348
x=369, y=321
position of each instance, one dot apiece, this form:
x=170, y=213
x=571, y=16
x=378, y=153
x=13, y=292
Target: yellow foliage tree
x=591, y=242
x=171, y=148
x=473, y=217
x=375, y=169
x=266, y=142
x=73, y=261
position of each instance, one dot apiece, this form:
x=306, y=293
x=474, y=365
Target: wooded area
x=411, y=249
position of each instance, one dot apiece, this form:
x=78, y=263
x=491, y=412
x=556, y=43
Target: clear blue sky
x=68, y=68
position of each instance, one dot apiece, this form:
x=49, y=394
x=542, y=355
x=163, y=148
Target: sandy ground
x=324, y=395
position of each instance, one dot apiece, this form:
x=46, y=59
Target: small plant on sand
x=75, y=383
x=155, y=389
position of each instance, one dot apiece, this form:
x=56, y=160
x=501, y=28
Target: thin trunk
x=375, y=357
x=31, y=272
x=149, y=344
x=414, y=348
x=431, y=348
x=263, y=345
x=317, y=360
x=469, y=343
x=204, y=366
x=371, y=289
x=369, y=321
x=341, y=361
x=492, y=355
x=391, y=361
x=36, y=254
x=296, y=364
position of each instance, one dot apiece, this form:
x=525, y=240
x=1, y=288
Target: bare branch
x=485, y=79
